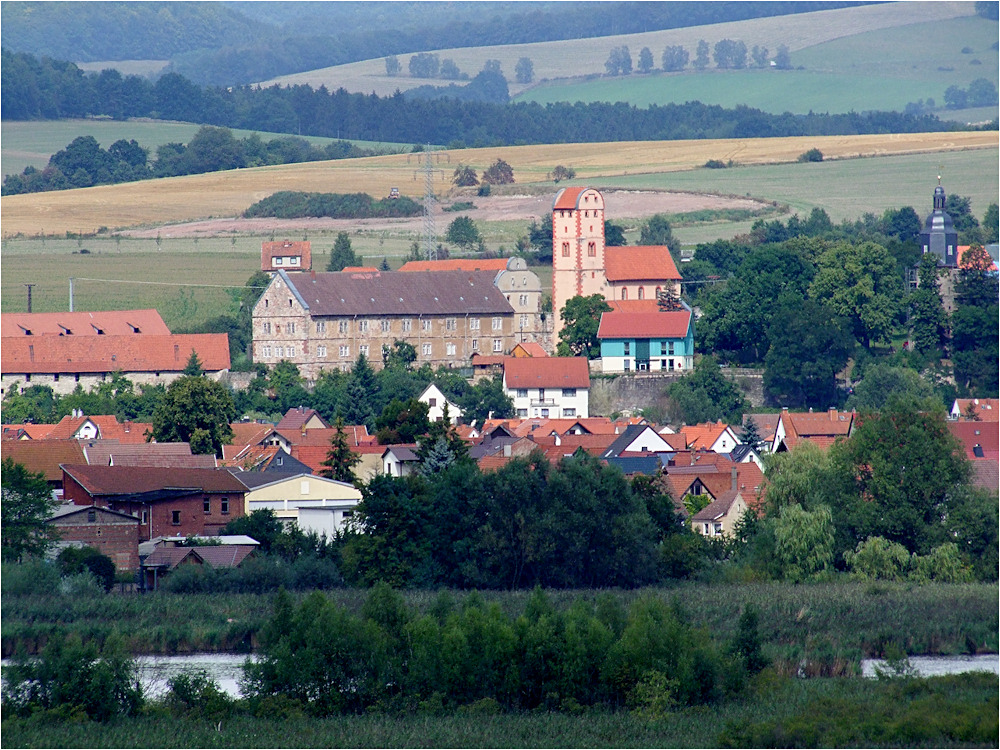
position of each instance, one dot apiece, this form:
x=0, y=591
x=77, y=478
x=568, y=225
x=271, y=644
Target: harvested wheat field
x=228, y=194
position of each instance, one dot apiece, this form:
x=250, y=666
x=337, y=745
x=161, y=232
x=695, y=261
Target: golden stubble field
x=228, y=194
x=582, y=57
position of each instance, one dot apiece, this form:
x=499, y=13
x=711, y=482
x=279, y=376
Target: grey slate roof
x=396, y=293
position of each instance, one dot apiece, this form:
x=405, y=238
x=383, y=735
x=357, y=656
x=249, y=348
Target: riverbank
x=959, y=711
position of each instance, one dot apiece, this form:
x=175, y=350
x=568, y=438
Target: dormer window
x=66, y=331
x=99, y=331
x=27, y=331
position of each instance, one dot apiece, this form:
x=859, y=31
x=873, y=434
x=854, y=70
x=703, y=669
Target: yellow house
x=314, y=503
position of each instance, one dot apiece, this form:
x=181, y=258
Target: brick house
x=167, y=501
x=323, y=321
x=114, y=533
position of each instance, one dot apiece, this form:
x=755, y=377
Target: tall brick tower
x=578, y=266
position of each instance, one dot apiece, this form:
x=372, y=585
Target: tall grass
x=957, y=711
x=828, y=622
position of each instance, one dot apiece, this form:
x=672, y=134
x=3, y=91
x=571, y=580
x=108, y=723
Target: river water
x=934, y=666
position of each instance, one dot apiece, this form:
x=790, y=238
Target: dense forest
x=49, y=89
x=232, y=43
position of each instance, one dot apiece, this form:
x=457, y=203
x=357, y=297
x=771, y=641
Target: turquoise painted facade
x=645, y=354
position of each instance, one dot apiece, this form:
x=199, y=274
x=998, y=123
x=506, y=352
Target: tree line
x=803, y=297
x=37, y=89
x=728, y=54
x=84, y=163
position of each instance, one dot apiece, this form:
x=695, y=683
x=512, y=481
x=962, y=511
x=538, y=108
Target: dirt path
x=620, y=204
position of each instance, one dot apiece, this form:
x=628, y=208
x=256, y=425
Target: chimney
x=833, y=414
x=734, y=478
x=312, y=274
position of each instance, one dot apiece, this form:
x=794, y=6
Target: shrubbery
x=297, y=205
x=472, y=655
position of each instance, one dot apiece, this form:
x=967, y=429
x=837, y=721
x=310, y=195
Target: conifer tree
x=340, y=460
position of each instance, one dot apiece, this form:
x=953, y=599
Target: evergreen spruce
x=340, y=460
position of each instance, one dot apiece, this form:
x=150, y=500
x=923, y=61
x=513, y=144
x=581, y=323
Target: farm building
x=63, y=350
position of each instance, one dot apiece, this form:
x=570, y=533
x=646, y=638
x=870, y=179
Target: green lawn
x=880, y=70
x=32, y=143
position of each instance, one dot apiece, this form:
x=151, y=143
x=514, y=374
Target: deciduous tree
x=26, y=506
x=498, y=173
x=465, y=176
x=674, y=58
x=646, y=63
x=581, y=318
x=195, y=410
x=463, y=232
x=524, y=70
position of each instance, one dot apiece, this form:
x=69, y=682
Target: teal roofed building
x=647, y=341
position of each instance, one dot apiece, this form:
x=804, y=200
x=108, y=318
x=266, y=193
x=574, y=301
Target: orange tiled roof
x=567, y=198
x=962, y=249
x=43, y=456
x=109, y=323
x=128, y=353
x=530, y=349
x=294, y=418
x=286, y=249
x=987, y=409
x=359, y=269
x=550, y=372
x=456, y=264
x=703, y=436
x=29, y=431
x=633, y=305
x=249, y=433
x=831, y=423
x=108, y=427
x=640, y=263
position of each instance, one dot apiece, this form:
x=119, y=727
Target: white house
x=399, y=460
x=314, y=503
x=548, y=387
x=436, y=400
x=638, y=439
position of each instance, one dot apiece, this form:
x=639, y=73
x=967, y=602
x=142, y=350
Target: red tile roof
x=109, y=322
x=985, y=474
x=962, y=249
x=131, y=353
x=986, y=435
x=285, y=249
x=567, y=198
x=633, y=305
x=530, y=349
x=550, y=372
x=987, y=409
x=359, y=269
x=113, y=453
x=249, y=433
x=456, y=264
x=640, y=263
x=43, y=456
x=127, y=480
x=296, y=417
x=645, y=325
x=27, y=431
x=108, y=428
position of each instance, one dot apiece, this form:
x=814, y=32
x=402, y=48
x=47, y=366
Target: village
x=153, y=507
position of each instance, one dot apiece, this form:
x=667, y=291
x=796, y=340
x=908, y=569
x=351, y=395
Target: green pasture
x=878, y=70
x=845, y=189
x=33, y=143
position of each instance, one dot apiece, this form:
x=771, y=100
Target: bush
x=813, y=154
x=74, y=560
x=195, y=693
x=878, y=558
x=715, y=164
x=75, y=676
x=288, y=204
x=31, y=578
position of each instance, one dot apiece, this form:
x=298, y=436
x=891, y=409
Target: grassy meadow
x=874, y=70
x=575, y=58
x=227, y=194
x=845, y=188
x=33, y=143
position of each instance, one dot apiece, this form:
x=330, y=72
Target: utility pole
x=29, y=295
x=430, y=252
x=71, y=294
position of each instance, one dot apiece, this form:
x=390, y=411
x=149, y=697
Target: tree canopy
x=195, y=410
x=26, y=507
x=581, y=318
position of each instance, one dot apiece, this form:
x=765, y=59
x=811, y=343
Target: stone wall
x=635, y=391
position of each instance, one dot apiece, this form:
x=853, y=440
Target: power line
x=170, y=283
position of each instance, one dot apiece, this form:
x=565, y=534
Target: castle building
x=323, y=321
x=583, y=266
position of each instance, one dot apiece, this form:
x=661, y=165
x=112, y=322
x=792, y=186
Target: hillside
x=227, y=194
x=581, y=58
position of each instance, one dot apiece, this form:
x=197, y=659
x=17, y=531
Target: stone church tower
x=578, y=258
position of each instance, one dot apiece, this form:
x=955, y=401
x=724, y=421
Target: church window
x=641, y=295
x=565, y=249
x=624, y=293
x=592, y=249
